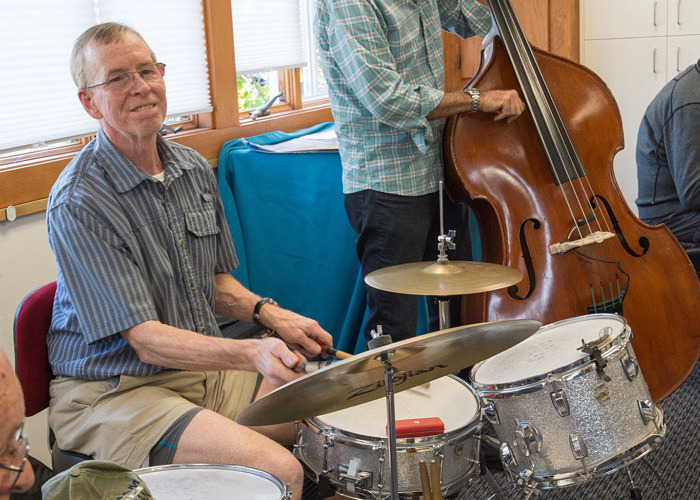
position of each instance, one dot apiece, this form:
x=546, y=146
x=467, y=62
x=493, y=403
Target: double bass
x=545, y=197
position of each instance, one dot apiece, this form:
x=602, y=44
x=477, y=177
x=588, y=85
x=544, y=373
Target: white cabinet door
x=682, y=52
x=625, y=18
x=683, y=17
x=634, y=70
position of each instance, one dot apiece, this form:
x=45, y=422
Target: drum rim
x=472, y=426
x=534, y=382
x=219, y=466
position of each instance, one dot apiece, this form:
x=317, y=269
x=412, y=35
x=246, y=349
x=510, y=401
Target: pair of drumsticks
x=430, y=482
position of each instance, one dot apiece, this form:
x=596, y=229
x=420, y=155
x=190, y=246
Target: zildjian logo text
x=398, y=379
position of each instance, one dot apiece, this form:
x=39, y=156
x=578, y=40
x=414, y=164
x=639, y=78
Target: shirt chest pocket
x=202, y=231
x=201, y=223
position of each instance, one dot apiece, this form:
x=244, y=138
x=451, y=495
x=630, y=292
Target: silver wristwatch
x=475, y=94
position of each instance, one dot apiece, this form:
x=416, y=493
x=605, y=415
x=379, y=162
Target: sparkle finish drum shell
x=560, y=415
x=350, y=446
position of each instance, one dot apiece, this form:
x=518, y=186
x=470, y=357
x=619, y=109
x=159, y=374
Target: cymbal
x=453, y=278
x=360, y=378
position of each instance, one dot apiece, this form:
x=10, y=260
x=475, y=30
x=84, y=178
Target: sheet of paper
x=318, y=142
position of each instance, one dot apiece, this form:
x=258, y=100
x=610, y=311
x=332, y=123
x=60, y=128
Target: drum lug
x=560, y=402
x=578, y=446
x=630, y=367
x=528, y=438
x=522, y=478
x=647, y=410
x=508, y=458
x=490, y=412
x=329, y=442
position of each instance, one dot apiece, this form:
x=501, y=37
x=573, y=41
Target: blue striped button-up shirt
x=130, y=248
x=383, y=64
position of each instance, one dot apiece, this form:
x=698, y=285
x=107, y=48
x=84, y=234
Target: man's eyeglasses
x=19, y=457
x=150, y=73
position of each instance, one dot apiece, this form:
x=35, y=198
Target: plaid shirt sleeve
x=465, y=18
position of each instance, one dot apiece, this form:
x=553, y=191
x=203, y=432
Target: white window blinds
x=267, y=35
x=38, y=99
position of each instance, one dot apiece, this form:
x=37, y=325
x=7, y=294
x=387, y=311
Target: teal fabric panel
x=292, y=237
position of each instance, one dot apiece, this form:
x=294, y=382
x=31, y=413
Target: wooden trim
x=290, y=82
x=31, y=181
x=23, y=209
x=222, y=65
x=564, y=29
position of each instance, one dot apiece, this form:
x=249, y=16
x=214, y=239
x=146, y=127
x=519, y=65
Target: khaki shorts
x=121, y=419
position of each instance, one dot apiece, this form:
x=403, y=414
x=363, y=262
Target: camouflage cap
x=96, y=479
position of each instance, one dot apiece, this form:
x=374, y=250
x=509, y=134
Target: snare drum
x=211, y=482
x=563, y=415
x=350, y=447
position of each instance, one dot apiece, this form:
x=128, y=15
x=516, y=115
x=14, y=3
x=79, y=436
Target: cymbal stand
x=445, y=242
x=635, y=492
x=379, y=340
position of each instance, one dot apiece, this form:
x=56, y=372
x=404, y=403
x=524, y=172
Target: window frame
x=25, y=184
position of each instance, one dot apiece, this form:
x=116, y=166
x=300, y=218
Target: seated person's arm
x=683, y=152
x=163, y=345
x=235, y=301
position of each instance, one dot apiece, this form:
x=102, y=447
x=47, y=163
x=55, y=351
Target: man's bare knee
x=290, y=471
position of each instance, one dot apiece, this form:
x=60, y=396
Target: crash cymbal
x=360, y=378
x=452, y=278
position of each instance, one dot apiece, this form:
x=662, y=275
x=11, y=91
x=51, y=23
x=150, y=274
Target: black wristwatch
x=256, y=310
x=475, y=94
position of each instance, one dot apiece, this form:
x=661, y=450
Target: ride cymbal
x=360, y=378
x=452, y=278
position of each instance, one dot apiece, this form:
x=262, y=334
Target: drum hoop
x=607, y=466
x=567, y=372
x=342, y=435
x=236, y=468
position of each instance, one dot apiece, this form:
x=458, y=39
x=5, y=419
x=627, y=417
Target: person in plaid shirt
x=383, y=63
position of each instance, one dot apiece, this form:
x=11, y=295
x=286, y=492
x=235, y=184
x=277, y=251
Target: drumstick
x=331, y=351
x=435, y=479
x=425, y=480
x=307, y=368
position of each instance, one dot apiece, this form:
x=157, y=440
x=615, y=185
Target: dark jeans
x=392, y=230
x=684, y=225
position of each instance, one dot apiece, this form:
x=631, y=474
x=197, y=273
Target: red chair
x=32, y=322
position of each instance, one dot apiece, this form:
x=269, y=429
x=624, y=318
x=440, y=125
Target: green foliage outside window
x=253, y=91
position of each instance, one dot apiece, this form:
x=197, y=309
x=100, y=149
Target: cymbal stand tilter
x=379, y=340
x=445, y=242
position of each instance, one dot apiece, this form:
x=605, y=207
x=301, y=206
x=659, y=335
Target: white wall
x=26, y=262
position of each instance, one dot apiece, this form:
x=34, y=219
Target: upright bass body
x=579, y=253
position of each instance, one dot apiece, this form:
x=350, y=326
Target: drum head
x=552, y=347
x=448, y=398
x=211, y=482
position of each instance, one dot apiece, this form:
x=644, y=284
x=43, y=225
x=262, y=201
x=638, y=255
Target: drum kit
x=567, y=402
